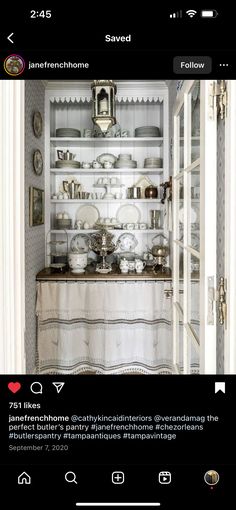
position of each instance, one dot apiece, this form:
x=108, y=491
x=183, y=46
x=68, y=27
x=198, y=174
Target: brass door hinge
x=221, y=298
x=218, y=100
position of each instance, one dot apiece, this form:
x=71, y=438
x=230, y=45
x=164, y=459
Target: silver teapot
x=160, y=249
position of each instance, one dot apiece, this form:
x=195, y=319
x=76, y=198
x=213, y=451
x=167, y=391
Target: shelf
x=107, y=201
x=88, y=171
x=100, y=142
x=193, y=200
x=194, y=141
x=115, y=230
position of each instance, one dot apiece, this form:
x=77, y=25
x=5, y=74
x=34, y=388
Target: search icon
x=36, y=387
x=70, y=477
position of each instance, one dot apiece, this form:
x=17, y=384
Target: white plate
x=128, y=213
x=193, y=217
x=106, y=157
x=127, y=242
x=79, y=242
x=88, y=214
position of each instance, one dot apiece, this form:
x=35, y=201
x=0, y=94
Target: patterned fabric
x=108, y=328
x=104, y=327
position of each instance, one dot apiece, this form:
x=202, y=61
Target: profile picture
x=211, y=477
x=14, y=65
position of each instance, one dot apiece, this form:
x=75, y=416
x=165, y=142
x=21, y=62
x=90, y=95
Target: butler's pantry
x=125, y=215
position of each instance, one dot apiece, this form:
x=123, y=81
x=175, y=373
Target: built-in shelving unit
x=143, y=103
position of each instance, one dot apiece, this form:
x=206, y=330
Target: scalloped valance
x=119, y=99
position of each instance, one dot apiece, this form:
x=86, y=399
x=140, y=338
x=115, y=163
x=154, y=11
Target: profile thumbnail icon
x=211, y=477
x=14, y=65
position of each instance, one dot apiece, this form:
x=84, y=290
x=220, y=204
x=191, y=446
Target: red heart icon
x=14, y=386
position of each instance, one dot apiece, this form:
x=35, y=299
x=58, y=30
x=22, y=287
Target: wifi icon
x=191, y=13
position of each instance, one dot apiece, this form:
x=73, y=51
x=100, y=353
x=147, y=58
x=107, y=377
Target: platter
x=128, y=213
x=88, y=214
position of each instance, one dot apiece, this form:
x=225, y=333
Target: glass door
x=192, y=352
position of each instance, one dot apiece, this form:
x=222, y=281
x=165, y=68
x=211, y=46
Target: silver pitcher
x=72, y=188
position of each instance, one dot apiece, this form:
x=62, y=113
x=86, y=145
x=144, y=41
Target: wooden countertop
x=49, y=274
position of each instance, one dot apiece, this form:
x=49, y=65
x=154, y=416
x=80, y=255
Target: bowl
x=78, y=261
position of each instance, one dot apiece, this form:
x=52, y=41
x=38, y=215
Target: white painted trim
x=12, y=220
x=140, y=91
x=207, y=253
x=208, y=176
x=230, y=230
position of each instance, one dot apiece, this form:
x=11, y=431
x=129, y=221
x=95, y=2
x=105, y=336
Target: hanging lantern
x=103, y=93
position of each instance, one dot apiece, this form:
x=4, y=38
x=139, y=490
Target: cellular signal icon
x=177, y=14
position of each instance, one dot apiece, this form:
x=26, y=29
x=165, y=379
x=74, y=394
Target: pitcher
x=139, y=265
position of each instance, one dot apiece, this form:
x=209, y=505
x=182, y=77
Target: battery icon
x=209, y=13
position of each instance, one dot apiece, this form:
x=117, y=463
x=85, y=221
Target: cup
x=87, y=133
x=96, y=164
x=108, y=164
x=79, y=224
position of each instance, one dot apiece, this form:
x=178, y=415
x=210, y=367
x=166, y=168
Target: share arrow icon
x=58, y=386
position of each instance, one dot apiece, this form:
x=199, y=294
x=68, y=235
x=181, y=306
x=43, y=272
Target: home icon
x=24, y=478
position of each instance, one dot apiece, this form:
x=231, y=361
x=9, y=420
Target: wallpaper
x=34, y=236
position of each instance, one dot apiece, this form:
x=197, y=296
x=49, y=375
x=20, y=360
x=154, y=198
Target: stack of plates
x=125, y=156
x=147, y=131
x=125, y=161
x=153, y=163
x=61, y=163
x=69, y=132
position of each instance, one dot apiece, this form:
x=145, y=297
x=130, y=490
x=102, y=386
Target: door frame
x=12, y=233
x=230, y=230
x=208, y=172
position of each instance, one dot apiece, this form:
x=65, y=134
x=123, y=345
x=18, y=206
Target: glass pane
x=195, y=208
x=181, y=361
x=181, y=263
x=181, y=139
x=195, y=122
x=181, y=208
x=195, y=358
x=195, y=295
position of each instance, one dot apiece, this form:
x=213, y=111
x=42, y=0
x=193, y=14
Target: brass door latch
x=222, y=301
x=165, y=185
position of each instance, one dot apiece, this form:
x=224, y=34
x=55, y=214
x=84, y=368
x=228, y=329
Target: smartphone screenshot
x=117, y=256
